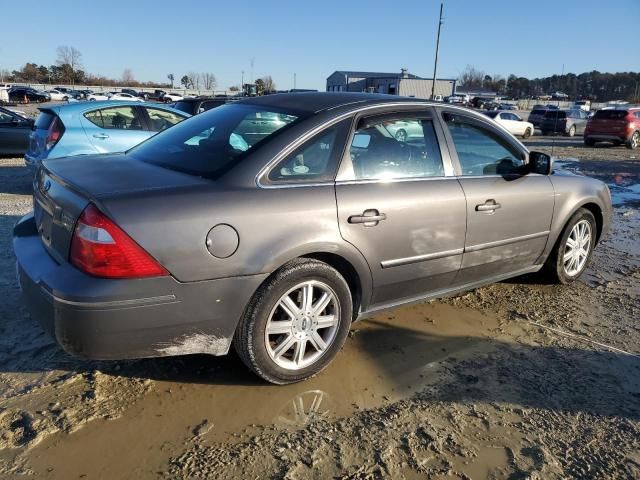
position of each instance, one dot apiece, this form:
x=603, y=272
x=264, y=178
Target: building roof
x=356, y=74
x=314, y=102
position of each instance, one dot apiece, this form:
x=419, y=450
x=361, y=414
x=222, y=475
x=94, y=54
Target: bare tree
x=470, y=77
x=194, y=80
x=208, y=80
x=127, y=77
x=269, y=84
x=70, y=57
x=170, y=77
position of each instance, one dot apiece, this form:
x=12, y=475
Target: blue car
x=82, y=128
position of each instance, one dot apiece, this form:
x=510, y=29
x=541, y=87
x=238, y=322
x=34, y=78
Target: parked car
x=620, y=125
x=127, y=97
x=513, y=123
x=82, y=128
x=131, y=91
x=56, y=96
x=567, y=122
x=155, y=95
x=187, y=241
x=98, y=96
x=20, y=94
x=171, y=97
x=194, y=106
x=70, y=93
x=14, y=132
x=506, y=106
x=584, y=105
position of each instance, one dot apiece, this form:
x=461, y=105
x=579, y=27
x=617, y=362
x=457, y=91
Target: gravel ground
x=516, y=380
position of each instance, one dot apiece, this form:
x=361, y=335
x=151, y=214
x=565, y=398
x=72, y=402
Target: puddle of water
x=388, y=357
x=624, y=185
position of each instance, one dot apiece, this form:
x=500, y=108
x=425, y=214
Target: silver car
x=275, y=222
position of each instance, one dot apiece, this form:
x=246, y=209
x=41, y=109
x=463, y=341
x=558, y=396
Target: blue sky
x=528, y=38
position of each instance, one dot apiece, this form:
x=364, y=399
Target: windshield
x=211, y=143
x=610, y=114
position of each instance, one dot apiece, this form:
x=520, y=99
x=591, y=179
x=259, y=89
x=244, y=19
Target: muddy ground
x=516, y=380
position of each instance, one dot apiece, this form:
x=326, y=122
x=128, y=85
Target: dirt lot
x=516, y=380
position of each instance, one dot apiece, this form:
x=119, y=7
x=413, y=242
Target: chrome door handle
x=488, y=206
x=369, y=218
x=100, y=135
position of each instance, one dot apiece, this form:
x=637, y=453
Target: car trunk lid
x=64, y=187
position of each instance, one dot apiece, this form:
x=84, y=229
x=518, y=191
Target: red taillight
x=55, y=132
x=102, y=249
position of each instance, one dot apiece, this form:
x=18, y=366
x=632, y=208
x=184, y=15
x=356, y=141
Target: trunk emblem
x=47, y=185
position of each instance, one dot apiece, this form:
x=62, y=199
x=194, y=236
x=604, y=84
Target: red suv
x=621, y=125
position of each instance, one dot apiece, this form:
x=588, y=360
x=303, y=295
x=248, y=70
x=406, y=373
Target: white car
x=125, y=97
x=512, y=123
x=57, y=95
x=172, y=97
x=98, y=96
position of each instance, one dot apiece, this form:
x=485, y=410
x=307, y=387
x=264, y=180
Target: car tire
x=92, y=99
x=556, y=267
x=572, y=131
x=589, y=142
x=527, y=133
x=634, y=140
x=266, y=354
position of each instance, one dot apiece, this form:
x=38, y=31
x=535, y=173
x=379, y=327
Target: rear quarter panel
x=274, y=226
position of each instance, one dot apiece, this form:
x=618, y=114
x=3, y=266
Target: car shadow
x=14, y=179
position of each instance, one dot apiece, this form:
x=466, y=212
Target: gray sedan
x=275, y=222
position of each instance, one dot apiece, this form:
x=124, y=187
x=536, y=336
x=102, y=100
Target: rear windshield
x=555, y=114
x=209, y=144
x=491, y=114
x=44, y=120
x=539, y=111
x=185, y=106
x=610, y=114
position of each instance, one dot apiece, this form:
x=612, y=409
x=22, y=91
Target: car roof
x=314, y=102
x=79, y=107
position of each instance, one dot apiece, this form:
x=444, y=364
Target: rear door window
x=395, y=148
x=116, y=118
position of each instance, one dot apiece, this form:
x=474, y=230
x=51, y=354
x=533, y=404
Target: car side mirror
x=540, y=163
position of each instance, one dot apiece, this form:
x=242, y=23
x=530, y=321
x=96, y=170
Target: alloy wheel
x=577, y=248
x=635, y=140
x=303, y=325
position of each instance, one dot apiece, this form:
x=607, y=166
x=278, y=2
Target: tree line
x=597, y=86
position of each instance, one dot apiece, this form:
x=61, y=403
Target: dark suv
x=617, y=126
x=537, y=112
x=194, y=106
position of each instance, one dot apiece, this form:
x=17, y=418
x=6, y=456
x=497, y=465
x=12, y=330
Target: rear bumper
x=32, y=163
x=117, y=319
x=606, y=137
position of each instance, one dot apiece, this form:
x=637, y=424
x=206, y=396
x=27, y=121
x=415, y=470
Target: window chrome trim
x=506, y=241
x=396, y=262
x=300, y=140
x=391, y=180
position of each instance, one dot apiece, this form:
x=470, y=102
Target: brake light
x=102, y=249
x=55, y=132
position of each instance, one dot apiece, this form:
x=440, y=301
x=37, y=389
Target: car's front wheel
x=527, y=133
x=572, y=131
x=634, y=141
x=573, y=249
x=296, y=322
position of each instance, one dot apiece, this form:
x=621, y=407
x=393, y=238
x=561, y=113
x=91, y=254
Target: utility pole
x=294, y=80
x=253, y=59
x=435, y=64
x=242, y=81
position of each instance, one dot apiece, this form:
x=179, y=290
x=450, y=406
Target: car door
x=115, y=128
x=14, y=133
x=400, y=205
x=509, y=212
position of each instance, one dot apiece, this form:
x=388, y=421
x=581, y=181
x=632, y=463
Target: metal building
x=403, y=83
